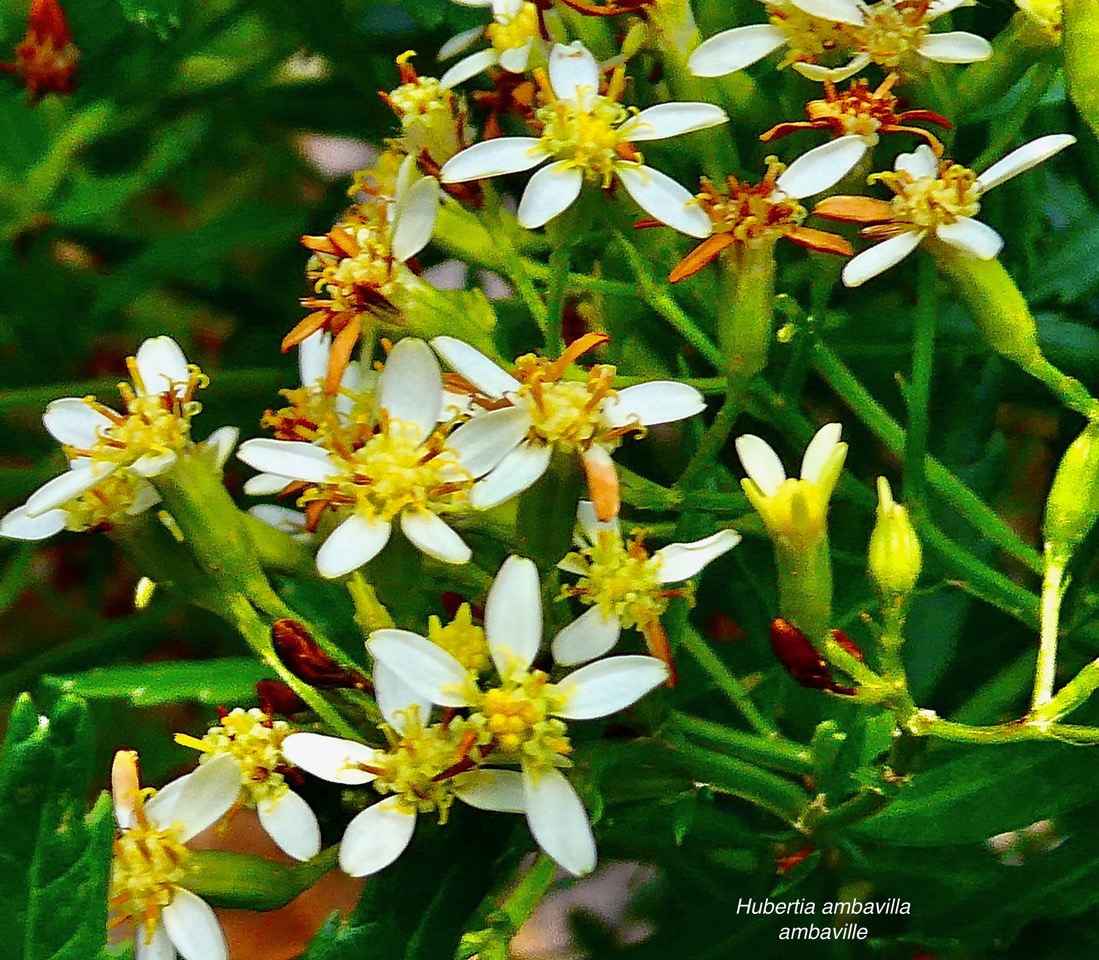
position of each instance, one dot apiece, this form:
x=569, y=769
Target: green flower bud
x=895, y=557
x=1073, y=504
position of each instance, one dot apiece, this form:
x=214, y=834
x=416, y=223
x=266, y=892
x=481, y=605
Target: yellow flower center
x=623, y=581
x=255, y=740
x=394, y=471
x=928, y=202
x=148, y=864
x=418, y=99
x=810, y=39
x=111, y=501
x=518, y=715
x=565, y=413
x=507, y=34
x=421, y=761
x=464, y=641
x=313, y=415
x=892, y=30
x=751, y=211
x=587, y=137
x=796, y=513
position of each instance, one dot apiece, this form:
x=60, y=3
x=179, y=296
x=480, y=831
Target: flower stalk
x=745, y=315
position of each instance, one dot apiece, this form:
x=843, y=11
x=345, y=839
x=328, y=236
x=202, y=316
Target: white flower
x=516, y=42
x=148, y=870
x=541, y=412
x=933, y=198
x=254, y=740
x=590, y=136
x=793, y=510
x=406, y=468
x=113, y=455
x=525, y=713
x=421, y=770
x=624, y=585
x=813, y=30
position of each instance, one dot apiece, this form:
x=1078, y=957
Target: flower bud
x=895, y=557
x=1073, y=504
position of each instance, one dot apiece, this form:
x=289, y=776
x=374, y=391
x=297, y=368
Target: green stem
x=846, y=385
x=1081, y=39
x=276, y=549
x=919, y=395
x=1014, y=51
x=1046, y=668
x=547, y=512
x=715, y=668
x=745, y=314
x=805, y=585
x=1004, y=133
x=928, y=725
x=772, y=751
x=713, y=442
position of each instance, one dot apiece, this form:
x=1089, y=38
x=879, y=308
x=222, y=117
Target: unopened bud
x=1073, y=504
x=895, y=557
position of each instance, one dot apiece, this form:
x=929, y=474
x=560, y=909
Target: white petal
x=671, y=120
x=291, y=823
x=493, y=158
x=289, y=458
x=221, y=442
x=376, y=837
x=660, y=401
x=153, y=464
x=819, y=451
x=425, y=666
x=264, y=484
x=410, y=388
x=456, y=44
x=920, y=164
x=761, y=463
x=430, y=534
x=971, y=236
x=330, y=758
x=515, y=59
x=591, y=524
x=161, y=807
x=818, y=73
x=610, y=685
x=955, y=47
x=162, y=367
x=499, y=790
x=550, y=191
x=735, y=49
x=206, y=796
x=681, y=561
x=587, y=637
x=513, y=615
x=74, y=422
x=281, y=518
x=19, y=526
x=1023, y=158
x=881, y=257
x=469, y=66
x=415, y=219
x=573, y=72
x=60, y=490
x=842, y=11
x=313, y=358
x=559, y=821
x=939, y=7
x=395, y=697
x=662, y=197
x=489, y=437
x=144, y=497
x=158, y=948
x=354, y=542
x=468, y=361
x=517, y=471
x=822, y=167
x=193, y=928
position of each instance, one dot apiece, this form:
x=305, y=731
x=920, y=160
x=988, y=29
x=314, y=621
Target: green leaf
x=211, y=682
x=983, y=791
x=54, y=861
x=160, y=16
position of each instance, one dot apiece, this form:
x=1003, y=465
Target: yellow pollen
x=519, y=717
x=751, y=211
x=892, y=30
x=565, y=413
x=623, y=581
x=586, y=136
x=394, y=471
x=255, y=740
x=928, y=202
x=423, y=96
x=111, y=501
x=461, y=639
x=508, y=33
x=811, y=39
x=148, y=865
